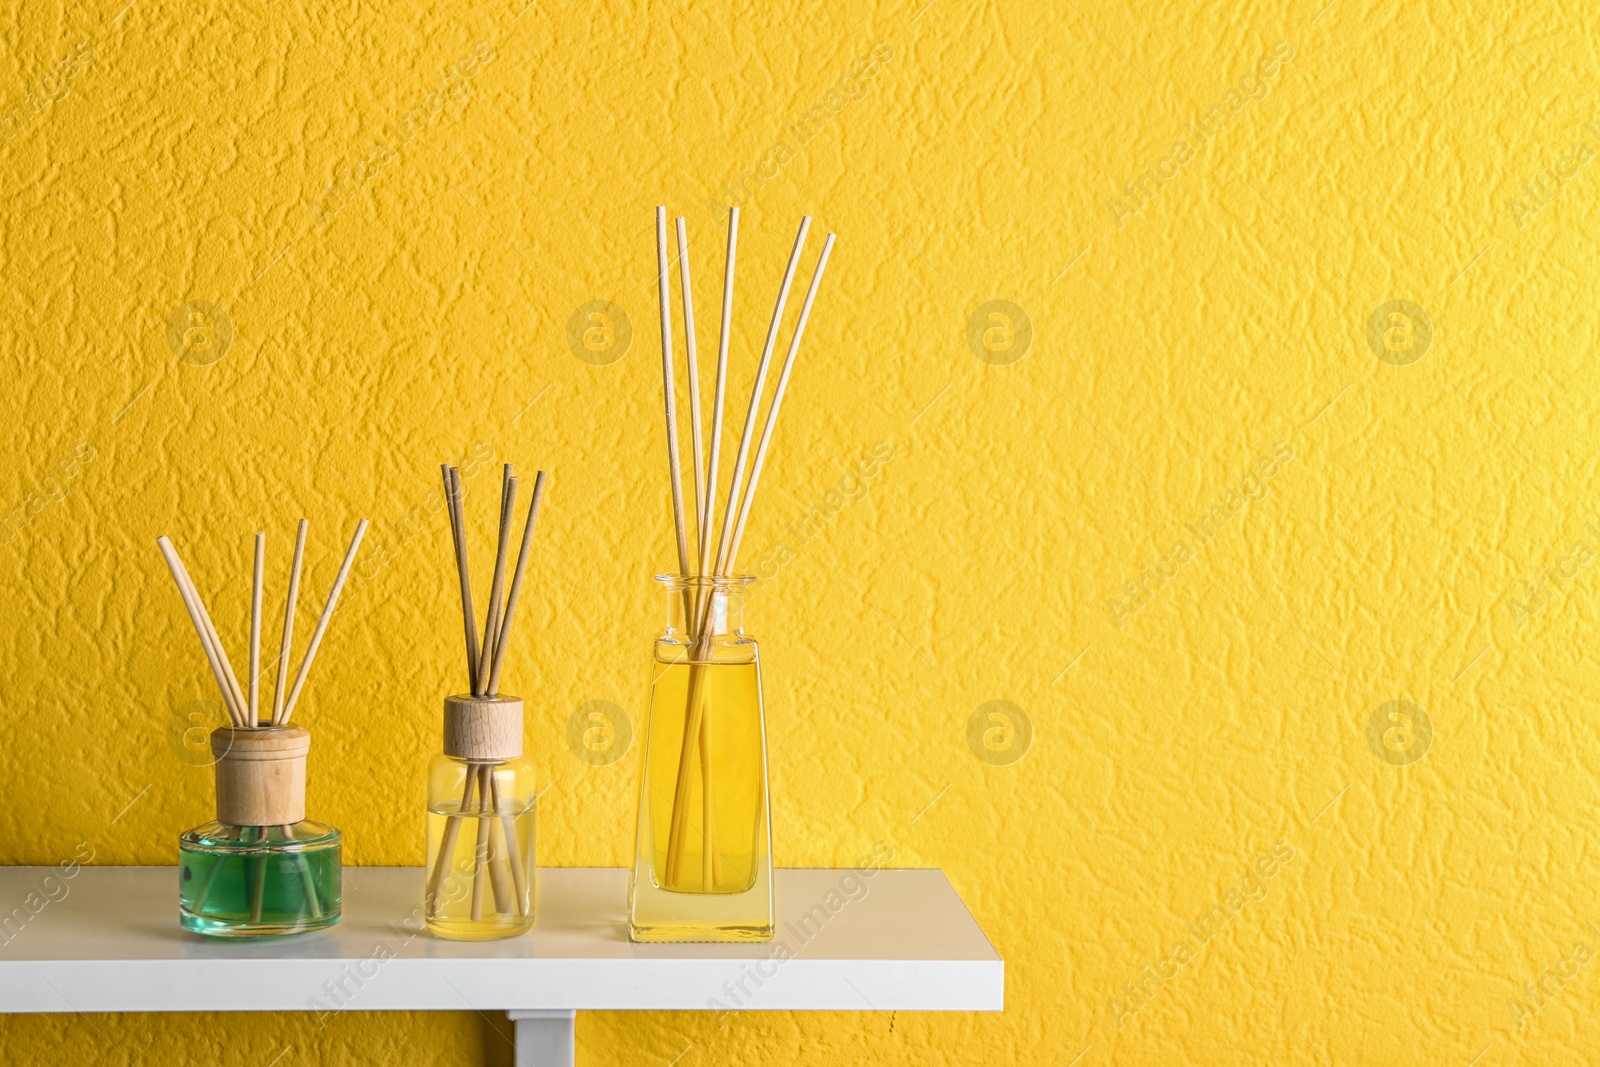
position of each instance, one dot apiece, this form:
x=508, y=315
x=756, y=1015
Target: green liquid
x=259, y=881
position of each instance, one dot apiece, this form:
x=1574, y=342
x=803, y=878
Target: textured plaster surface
x=1085, y=532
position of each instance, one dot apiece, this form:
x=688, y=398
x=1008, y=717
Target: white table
x=110, y=941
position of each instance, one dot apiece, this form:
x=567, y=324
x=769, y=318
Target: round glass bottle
x=261, y=869
x=481, y=799
x=703, y=851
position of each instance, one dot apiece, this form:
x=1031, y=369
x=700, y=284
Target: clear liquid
x=485, y=890
x=248, y=881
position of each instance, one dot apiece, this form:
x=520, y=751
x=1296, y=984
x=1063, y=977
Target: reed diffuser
x=703, y=855
x=261, y=869
x=481, y=791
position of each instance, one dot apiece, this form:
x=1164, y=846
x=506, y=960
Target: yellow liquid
x=504, y=898
x=729, y=699
x=718, y=885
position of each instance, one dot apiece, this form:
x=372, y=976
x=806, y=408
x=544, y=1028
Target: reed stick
x=504, y=639
x=508, y=831
x=204, y=891
x=313, y=905
x=480, y=851
x=447, y=843
x=777, y=399
x=708, y=808
x=191, y=604
x=755, y=400
x=724, y=333
x=322, y=622
x=669, y=389
x=255, y=630
x=258, y=882
x=491, y=625
x=452, y=494
x=693, y=737
x=499, y=878
x=281, y=687
x=692, y=362
x=231, y=679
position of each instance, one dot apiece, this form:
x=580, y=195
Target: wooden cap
x=261, y=775
x=483, y=728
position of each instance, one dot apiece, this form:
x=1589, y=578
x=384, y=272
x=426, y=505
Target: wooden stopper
x=261, y=775
x=482, y=728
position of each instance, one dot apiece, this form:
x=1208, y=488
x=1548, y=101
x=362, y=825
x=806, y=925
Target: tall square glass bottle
x=703, y=853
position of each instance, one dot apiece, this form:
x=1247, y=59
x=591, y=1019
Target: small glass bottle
x=481, y=797
x=262, y=869
x=703, y=852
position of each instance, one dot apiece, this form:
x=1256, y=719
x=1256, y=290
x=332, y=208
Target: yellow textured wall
x=1199, y=518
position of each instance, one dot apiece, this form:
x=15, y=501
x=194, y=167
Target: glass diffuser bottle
x=481, y=798
x=481, y=791
x=702, y=864
x=703, y=855
x=261, y=869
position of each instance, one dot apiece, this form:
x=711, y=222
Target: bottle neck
x=705, y=617
x=707, y=610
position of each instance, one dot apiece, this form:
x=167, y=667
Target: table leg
x=546, y=1038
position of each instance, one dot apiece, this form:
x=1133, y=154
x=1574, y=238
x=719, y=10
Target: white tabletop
x=110, y=941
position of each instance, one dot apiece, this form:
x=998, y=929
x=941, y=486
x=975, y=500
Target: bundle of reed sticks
x=244, y=711
x=715, y=556
x=496, y=845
